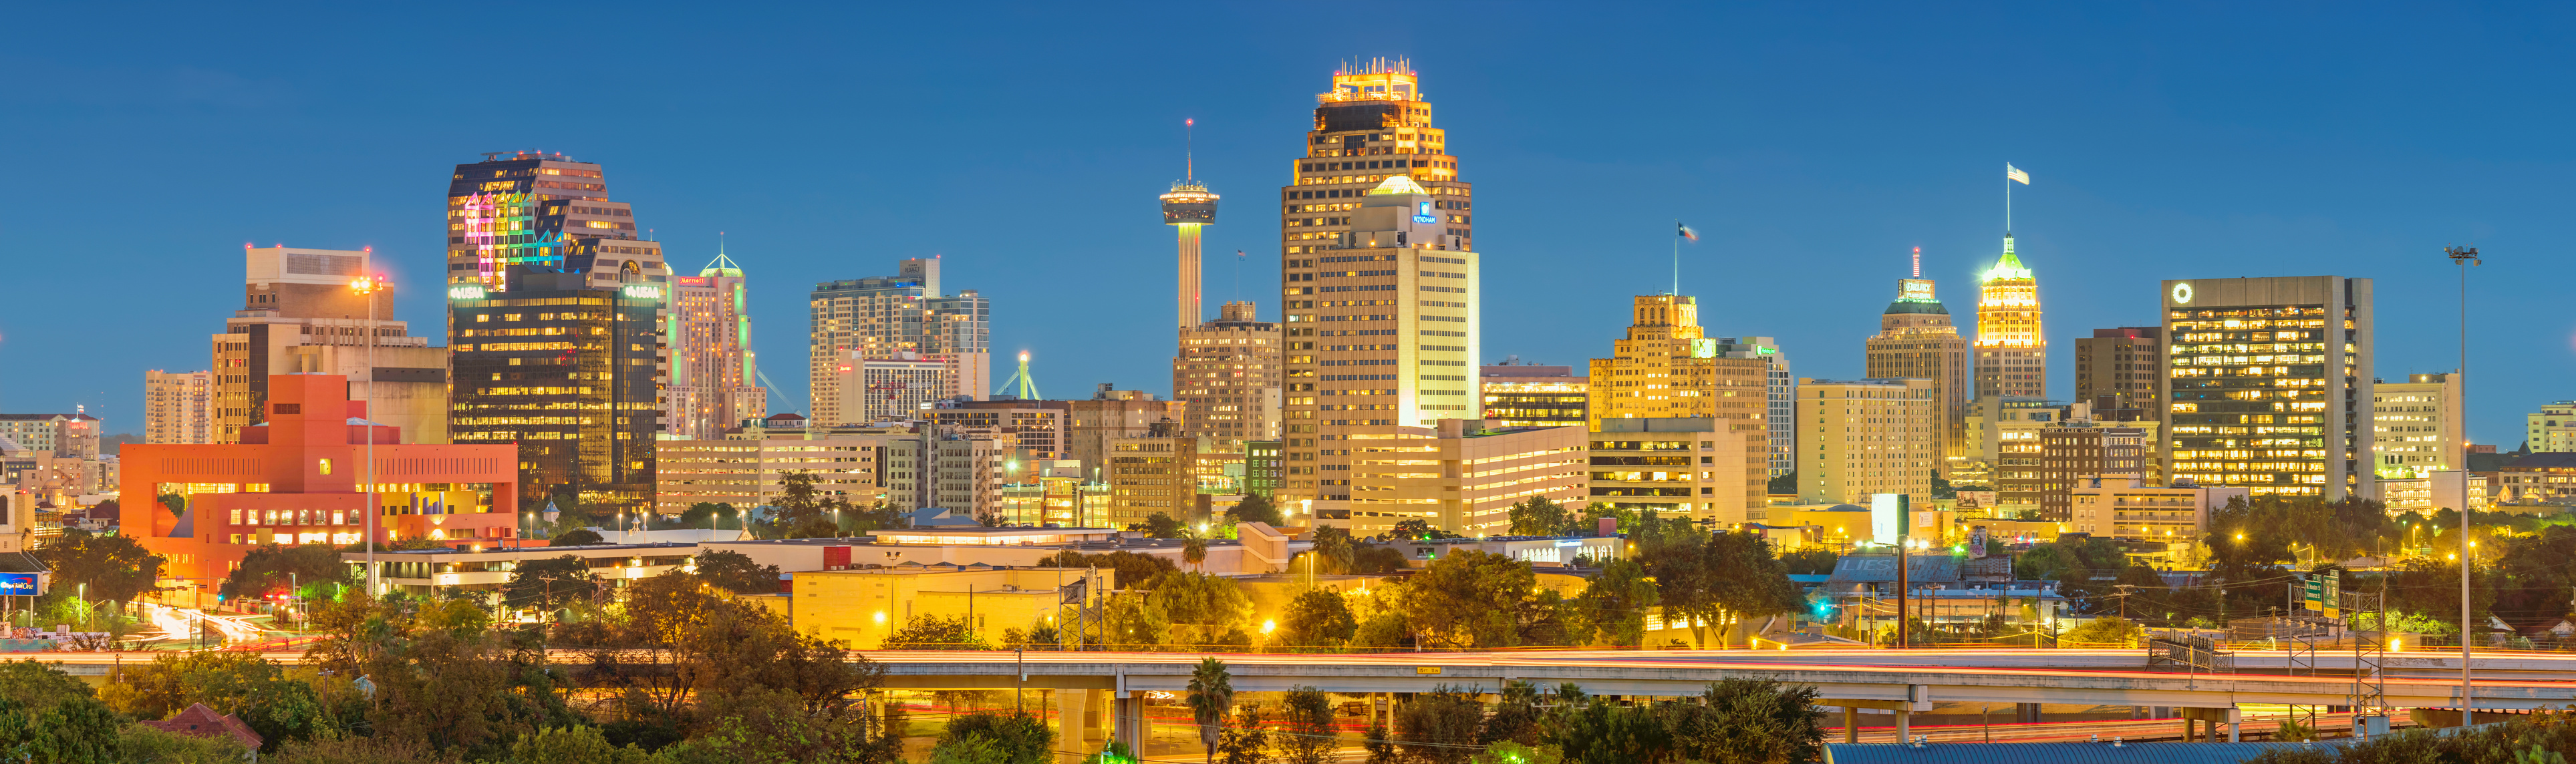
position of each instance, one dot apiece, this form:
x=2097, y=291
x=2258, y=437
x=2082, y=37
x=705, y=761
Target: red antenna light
x=1918, y=262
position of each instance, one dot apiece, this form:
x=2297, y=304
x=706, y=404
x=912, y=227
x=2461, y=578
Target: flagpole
x=1677, y=259
x=2008, y=198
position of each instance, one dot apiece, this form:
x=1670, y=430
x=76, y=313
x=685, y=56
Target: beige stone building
x=1227, y=373
x=1154, y=473
x=1379, y=279
x=2416, y=426
x=1667, y=367
x=1459, y=476
x=1111, y=414
x=1694, y=467
x=1863, y=437
x=178, y=407
x=747, y=472
x=1917, y=340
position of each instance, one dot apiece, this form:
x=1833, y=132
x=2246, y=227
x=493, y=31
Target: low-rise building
x=299, y=477
x=747, y=472
x=2431, y=492
x=2540, y=478
x=2553, y=430
x=864, y=606
x=1459, y=476
x=1528, y=395
x=1701, y=467
x=2130, y=509
x=427, y=572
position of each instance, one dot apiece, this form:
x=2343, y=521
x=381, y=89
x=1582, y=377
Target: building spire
x=722, y=265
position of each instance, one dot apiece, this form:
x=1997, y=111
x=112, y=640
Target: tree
x=1473, y=598
x=577, y=537
x=1749, y=721
x=1334, y=552
x=1162, y=526
x=112, y=567
x=736, y=572
x=277, y=706
x=1211, y=698
x=711, y=515
x=1439, y=727
x=546, y=584
x=930, y=632
x=803, y=511
x=1704, y=577
x=1305, y=733
x=46, y=715
x=1197, y=608
x=1017, y=738
x=1613, y=606
x=2104, y=630
x=1194, y=552
x=270, y=568
x=1377, y=558
x=1256, y=508
x=1131, y=570
x=1244, y=740
x=1809, y=562
x=176, y=503
x=1415, y=528
x=1785, y=484
x=576, y=744
x=1517, y=717
x=1537, y=516
x=1317, y=618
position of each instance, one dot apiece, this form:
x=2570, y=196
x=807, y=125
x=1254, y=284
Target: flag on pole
x=1687, y=233
x=2013, y=174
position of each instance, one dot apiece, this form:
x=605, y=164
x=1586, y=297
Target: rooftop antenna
x=1918, y=262
x=1189, y=149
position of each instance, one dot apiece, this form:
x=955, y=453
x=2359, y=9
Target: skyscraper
x=2012, y=351
x=1228, y=373
x=714, y=382
x=2269, y=384
x=1871, y=436
x=1668, y=368
x=556, y=310
x=178, y=407
x=1781, y=390
x=300, y=315
x=882, y=318
x=1917, y=340
x=567, y=371
x=1379, y=285
x=543, y=210
x=2118, y=367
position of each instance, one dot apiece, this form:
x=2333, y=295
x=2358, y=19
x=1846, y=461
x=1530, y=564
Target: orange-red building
x=297, y=479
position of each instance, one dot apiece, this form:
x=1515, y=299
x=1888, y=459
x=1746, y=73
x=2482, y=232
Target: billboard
x=1887, y=513
x=20, y=583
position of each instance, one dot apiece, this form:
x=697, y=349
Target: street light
x=2463, y=257
x=368, y=286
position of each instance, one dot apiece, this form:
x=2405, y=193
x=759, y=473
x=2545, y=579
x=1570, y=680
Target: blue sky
x=1811, y=144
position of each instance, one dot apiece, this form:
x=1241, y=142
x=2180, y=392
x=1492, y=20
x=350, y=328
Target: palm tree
x=1194, y=552
x=1211, y=699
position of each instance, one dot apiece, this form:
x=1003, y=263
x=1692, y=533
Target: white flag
x=2012, y=174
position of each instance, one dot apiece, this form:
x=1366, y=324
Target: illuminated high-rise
x=904, y=317
x=2268, y=384
x=1379, y=292
x=1917, y=340
x=556, y=309
x=2012, y=351
x=1666, y=367
x=1228, y=373
x=714, y=381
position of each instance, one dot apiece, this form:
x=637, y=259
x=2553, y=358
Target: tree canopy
x=113, y=567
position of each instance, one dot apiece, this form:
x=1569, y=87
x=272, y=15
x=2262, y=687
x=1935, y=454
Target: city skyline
x=2107, y=219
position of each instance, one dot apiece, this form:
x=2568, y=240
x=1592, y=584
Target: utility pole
x=2464, y=257
x=2125, y=589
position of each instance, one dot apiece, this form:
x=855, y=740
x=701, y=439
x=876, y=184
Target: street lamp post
x=368, y=286
x=2464, y=257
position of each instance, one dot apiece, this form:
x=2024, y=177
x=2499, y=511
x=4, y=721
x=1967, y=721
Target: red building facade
x=298, y=479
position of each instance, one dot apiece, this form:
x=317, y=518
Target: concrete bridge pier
x=2194, y=729
x=1070, y=713
x=1130, y=722
x=1904, y=712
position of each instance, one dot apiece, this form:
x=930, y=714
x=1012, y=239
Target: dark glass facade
x=567, y=372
